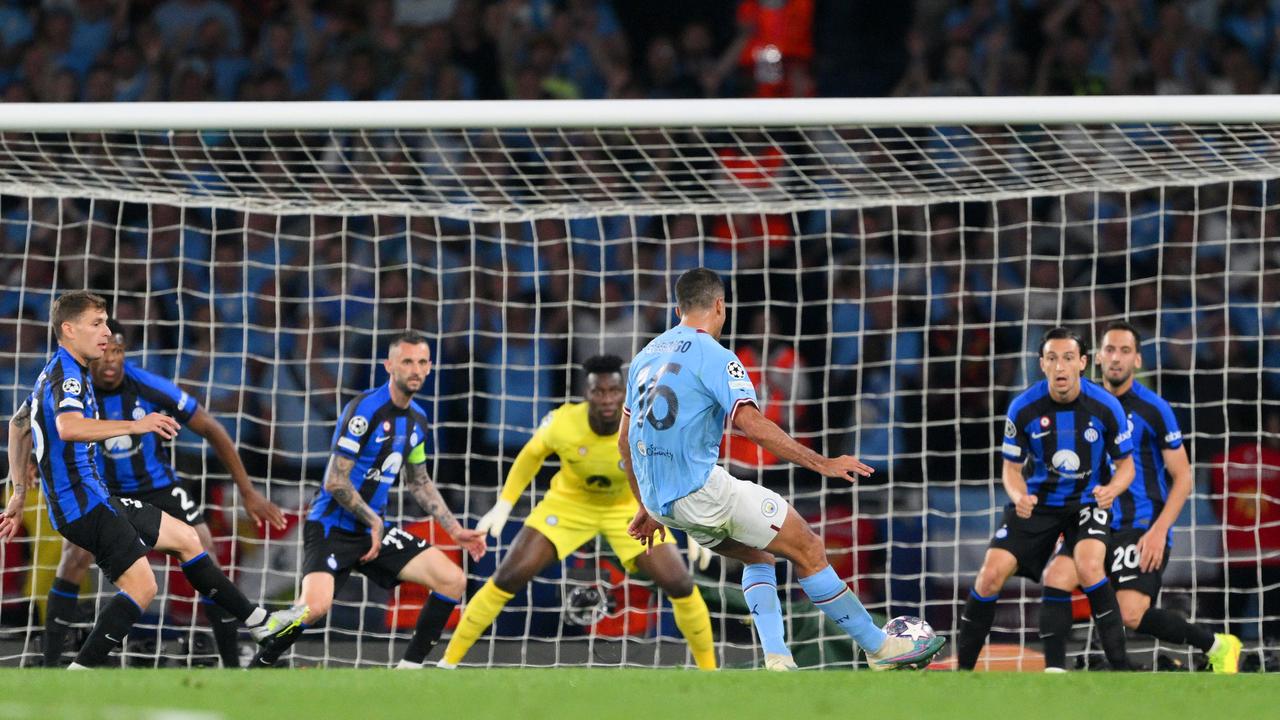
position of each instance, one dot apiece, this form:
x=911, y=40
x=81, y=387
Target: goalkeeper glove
x=495, y=518
x=699, y=557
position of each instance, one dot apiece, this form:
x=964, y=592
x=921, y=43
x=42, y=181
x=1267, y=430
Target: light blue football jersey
x=680, y=389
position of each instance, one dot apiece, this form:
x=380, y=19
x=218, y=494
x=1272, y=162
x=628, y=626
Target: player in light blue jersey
x=681, y=389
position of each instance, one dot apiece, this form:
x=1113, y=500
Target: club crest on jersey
x=1091, y=435
x=138, y=412
x=1044, y=421
x=1010, y=430
x=386, y=426
x=71, y=386
x=735, y=370
x=358, y=426
x=413, y=439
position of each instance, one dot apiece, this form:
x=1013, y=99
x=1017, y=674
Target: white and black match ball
x=915, y=629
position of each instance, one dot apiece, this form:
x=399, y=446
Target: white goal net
x=888, y=277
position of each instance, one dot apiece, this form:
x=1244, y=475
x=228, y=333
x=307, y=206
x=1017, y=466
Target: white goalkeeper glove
x=495, y=519
x=699, y=557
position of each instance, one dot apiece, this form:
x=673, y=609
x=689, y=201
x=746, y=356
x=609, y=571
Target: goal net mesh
x=886, y=289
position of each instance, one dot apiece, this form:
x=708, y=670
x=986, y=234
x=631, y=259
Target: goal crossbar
x=737, y=112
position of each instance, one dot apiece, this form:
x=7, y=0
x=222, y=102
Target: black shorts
x=340, y=553
x=1123, y=566
x=177, y=499
x=1032, y=541
x=116, y=534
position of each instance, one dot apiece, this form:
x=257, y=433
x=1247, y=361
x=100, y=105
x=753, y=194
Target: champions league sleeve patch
x=358, y=426
x=735, y=370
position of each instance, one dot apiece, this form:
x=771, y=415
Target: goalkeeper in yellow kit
x=589, y=496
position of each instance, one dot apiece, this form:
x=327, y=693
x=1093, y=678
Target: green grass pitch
x=570, y=694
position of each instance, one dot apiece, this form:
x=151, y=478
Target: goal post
x=890, y=263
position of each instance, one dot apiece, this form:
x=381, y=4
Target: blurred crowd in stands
x=130, y=50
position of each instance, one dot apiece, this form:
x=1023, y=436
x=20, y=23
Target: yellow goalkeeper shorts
x=569, y=525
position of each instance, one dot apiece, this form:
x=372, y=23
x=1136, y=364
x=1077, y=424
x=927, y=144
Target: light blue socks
x=760, y=586
x=834, y=598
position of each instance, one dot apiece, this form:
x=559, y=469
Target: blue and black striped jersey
x=1068, y=444
x=136, y=463
x=1155, y=429
x=68, y=470
x=380, y=437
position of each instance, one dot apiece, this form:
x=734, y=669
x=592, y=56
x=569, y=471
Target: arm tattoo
x=22, y=419
x=20, y=443
x=428, y=496
x=338, y=483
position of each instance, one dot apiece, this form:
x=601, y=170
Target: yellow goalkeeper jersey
x=590, y=465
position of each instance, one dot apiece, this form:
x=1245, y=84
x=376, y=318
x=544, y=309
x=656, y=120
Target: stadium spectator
x=1247, y=480
x=179, y=22
x=518, y=388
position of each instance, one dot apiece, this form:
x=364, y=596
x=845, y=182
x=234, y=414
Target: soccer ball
x=912, y=628
x=586, y=605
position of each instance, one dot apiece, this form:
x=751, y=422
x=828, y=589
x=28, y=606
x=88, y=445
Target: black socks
x=59, y=612
x=1055, y=626
x=115, y=621
x=431, y=622
x=975, y=623
x=1106, y=615
x=1171, y=627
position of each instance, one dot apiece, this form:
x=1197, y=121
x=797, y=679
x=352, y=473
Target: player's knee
x=1132, y=608
x=1058, y=580
x=812, y=555
x=187, y=542
x=1090, y=571
x=990, y=579
x=454, y=583
x=142, y=588
x=1132, y=616
x=510, y=578
x=676, y=585
x=1057, y=576
x=74, y=563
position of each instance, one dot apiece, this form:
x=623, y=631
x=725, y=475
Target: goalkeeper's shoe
x=1224, y=656
x=777, y=662
x=279, y=623
x=902, y=652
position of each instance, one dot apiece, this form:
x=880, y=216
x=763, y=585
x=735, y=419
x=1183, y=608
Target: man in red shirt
x=775, y=46
x=1250, y=508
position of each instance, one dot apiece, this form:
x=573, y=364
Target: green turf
x=570, y=694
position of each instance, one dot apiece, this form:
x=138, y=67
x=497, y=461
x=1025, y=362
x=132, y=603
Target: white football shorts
x=726, y=507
